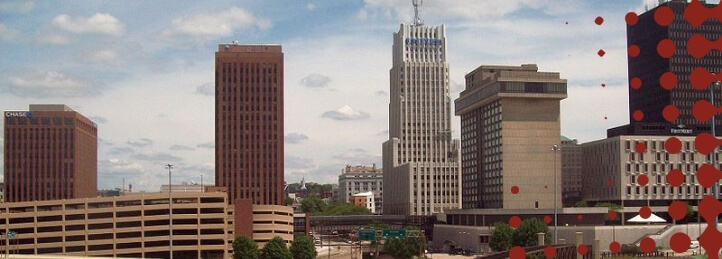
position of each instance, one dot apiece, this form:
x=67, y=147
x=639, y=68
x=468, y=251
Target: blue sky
x=143, y=70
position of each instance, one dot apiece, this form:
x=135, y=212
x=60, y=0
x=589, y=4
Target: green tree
x=276, y=249
x=500, y=239
x=526, y=234
x=313, y=205
x=343, y=209
x=245, y=248
x=615, y=207
x=302, y=248
x=580, y=204
x=404, y=248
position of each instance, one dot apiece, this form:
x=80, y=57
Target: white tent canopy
x=652, y=218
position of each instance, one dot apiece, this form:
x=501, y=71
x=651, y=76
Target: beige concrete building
x=616, y=159
x=571, y=171
x=358, y=179
x=509, y=123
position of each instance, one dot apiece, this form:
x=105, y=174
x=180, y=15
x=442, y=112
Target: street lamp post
x=202, y=189
x=554, y=150
x=170, y=210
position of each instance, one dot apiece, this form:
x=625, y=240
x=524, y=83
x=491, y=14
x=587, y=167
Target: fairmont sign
x=681, y=131
x=419, y=41
x=22, y=114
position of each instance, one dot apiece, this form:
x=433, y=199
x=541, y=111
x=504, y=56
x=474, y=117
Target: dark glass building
x=249, y=122
x=51, y=153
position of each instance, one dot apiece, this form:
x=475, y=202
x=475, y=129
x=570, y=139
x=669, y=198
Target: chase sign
x=19, y=114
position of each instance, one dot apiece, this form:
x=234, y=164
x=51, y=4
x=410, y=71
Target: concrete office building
x=50, y=154
x=615, y=159
x=420, y=160
x=651, y=98
x=358, y=179
x=366, y=200
x=509, y=123
x=249, y=122
x=571, y=152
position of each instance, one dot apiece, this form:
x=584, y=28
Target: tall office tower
x=51, y=153
x=420, y=160
x=509, y=124
x=249, y=122
x=571, y=171
x=651, y=98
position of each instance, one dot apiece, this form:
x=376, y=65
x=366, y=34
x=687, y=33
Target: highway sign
x=394, y=232
x=366, y=235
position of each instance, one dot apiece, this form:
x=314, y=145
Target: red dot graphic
x=670, y=113
x=612, y=215
x=680, y=242
x=515, y=189
x=647, y=245
x=636, y=83
x=645, y=212
x=610, y=182
x=580, y=217
x=675, y=178
x=550, y=252
x=599, y=20
x=633, y=51
x=615, y=247
x=605, y=117
x=547, y=219
x=631, y=18
x=546, y=187
x=566, y=23
x=517, y=252
x=514, y=222
x=668, y=80
x=640, y=147
x=642, y=180
x=673, y=145
x=601, y=53
x=638, y=115
x=582, y=249
x=603, y=85
x=663, y=16
x=666, y=48
x=677, y=210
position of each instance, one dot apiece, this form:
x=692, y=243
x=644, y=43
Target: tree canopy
x=504, y=237
x=276, y=249
x=405, y=248
x=245, y=248
x=318, y=207
x=500, y=239
x=303, y=248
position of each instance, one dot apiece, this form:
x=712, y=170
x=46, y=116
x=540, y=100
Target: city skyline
x=153, y=69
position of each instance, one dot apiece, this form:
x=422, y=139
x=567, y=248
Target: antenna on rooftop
x=417, y=19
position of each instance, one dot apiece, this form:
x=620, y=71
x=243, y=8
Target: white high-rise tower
x=420, y=160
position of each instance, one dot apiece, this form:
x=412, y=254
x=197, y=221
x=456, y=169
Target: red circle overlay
x=599, y=20
x=636, y=83
x=642, y=180
x=612, y=215
x=545, y=186
x=677, y=210
x=673, y=145
x=670, y=113
x=547, y=219
x=640, y=147
x=603, y=85
x=663, y=16
x=668, y=80
x=601, y=53
x=515, y=222
x=579, y=217
x=680, y=242
x=666, y=48
x=615, y=247
x=631, y=18
x=610, y=182
x=517, y=252
x=582, y=249
x=675, y=178
x=647, y=245
x=550, y=252
x=638, y=115
x=515, y=189
x=633, y=51
x=645, y=212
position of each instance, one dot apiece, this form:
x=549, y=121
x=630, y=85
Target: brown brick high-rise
x=50, y=154
x=249, y=122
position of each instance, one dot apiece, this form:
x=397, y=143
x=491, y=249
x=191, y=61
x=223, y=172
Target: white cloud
x=181, y=148
x=42, y=83
x=217, y=24
x=316, y=80
x=295, y=138
x=16, y=6
x=99, y=23
x=310, y=6
x=55, y=39
x=143, y=142
x=345, y=113
x=207, y=89
x=7, y=33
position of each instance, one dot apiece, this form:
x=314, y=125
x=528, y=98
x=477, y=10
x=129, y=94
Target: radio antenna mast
x=417, y=19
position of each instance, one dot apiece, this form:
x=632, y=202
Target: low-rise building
x=571, y=171
x=366, y=200
x=358, y=179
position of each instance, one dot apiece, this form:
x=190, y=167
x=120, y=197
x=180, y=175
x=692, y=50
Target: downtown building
x=571, y=152
x=421, y=162
x=509, y=124
x=361, y=179
x=50, y=153
x=249, y=122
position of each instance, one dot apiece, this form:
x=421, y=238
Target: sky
x=144, y=70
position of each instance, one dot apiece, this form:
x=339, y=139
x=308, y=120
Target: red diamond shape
x=601, y=53
x=599, y=20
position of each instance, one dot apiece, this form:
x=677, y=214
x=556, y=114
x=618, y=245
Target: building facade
x=50, y=154
x=615, y=159
x=183, y=187
x=358, y=179
x=420, y=159
x=571, y=152
x=249, y=122
x=366, y=200
x=509, y=123
x=651, y=98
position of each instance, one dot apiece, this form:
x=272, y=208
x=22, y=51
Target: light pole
x=715, y=188
x=554, y=150
x=170, y=210
x=202, y=189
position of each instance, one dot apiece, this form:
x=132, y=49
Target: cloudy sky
x=143, y=70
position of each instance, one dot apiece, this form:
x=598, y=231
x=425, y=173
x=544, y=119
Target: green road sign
x=394, y=232
x=366, y=235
